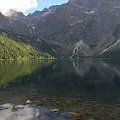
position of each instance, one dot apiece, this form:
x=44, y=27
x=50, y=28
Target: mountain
x=79, y=28
x=14, y=23
x=10, y=49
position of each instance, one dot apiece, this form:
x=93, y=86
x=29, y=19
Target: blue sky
x=27, y=6
x=45, y=3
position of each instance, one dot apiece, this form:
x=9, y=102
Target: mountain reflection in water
x=87, y=85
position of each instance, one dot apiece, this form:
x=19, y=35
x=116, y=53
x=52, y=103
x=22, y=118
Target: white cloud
x=19, y=5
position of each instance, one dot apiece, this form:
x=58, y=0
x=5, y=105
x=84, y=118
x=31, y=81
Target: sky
x=28, y=6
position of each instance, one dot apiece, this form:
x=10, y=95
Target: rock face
x=14, y=23
x=95, y=22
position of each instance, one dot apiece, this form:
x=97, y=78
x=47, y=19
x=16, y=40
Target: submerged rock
x=28, y=102
x=30, y=112
x=54, y=110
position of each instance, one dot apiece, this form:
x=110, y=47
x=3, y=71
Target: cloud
x=19, y=5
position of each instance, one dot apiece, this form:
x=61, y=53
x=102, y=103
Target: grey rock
x=30, y=112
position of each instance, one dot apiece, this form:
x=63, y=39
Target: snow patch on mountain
x=90, y=12
x=112, y=46
x=76, y=22
x=80, y=47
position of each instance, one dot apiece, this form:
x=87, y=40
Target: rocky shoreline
x=31, y=112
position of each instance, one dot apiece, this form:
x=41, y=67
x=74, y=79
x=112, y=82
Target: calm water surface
x=90, y=87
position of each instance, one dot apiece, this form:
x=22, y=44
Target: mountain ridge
x=96, y=23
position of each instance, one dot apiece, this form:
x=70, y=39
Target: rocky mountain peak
x=88, y=5
x=14, y=13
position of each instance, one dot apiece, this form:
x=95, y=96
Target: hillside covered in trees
x=11, y=50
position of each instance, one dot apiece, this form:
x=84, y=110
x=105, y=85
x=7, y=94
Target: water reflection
x=10, y=70
x=81, y=66
x=93, y=79
x=72, y=85
x=98, y=71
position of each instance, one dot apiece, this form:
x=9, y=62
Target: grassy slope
x=10, y=49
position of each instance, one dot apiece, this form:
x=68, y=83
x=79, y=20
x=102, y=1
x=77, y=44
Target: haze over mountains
x=83, y=28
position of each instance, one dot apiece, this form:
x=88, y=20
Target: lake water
x=89, y=87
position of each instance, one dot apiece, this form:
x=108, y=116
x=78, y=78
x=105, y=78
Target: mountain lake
x=63, y=89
